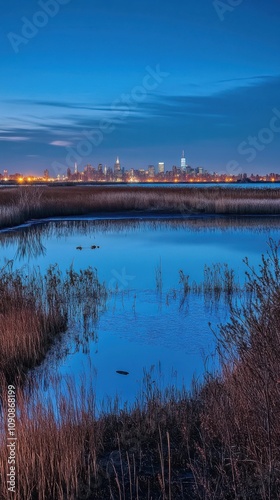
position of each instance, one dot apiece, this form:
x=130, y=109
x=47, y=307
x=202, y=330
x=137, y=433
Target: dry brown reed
x=35, y=309
x=240, y=428
x=20, y=204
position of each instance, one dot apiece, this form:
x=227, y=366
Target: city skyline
x=204, y=74
x=160, y=173
x=158, y=166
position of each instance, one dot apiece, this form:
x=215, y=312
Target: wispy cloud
x=13, y=138
x=62, y=104
x=62, y=144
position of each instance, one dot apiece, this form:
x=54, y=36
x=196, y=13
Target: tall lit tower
x=117, y=166
x=76, y=168
x=161, y=167
x=183, y=162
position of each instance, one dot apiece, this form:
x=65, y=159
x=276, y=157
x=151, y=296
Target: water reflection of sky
x=136, y=335
x=136, y=248
x=140, y=328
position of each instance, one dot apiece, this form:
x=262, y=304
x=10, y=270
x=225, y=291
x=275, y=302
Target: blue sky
x=141, y=80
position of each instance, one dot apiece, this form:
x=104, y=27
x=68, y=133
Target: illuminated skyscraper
x=161, y=167
x=183, y=162
x=117, y=166
x=151, y=171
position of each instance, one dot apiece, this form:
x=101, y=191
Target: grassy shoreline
x=21, y=204
x=35, y=311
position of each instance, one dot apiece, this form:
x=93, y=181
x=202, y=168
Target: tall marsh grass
x=20, y=204
x=240, y=427
x=35, y=309
x=218, y=281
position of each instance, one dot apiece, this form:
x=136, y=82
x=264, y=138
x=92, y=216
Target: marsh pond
x=168, y=282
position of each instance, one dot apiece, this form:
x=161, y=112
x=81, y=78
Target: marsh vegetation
x=36, y=308
x=17, y=205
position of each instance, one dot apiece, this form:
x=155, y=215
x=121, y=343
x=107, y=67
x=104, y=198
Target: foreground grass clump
x=241, y=427
x=67, y=452
x=219, y=282
x=35, y=309
x=20, y=204
x=219, y=441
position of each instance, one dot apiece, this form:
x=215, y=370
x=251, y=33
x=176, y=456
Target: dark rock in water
x=79, y=248
x=121, y=372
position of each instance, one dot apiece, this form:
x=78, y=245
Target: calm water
x=145, y=322
x=257, y=185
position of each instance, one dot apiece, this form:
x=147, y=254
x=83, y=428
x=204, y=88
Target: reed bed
x=240, y=427
x=219, y=282
x=35, y=309
x=20, y=204
x=66, y=452
x=219, y=440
